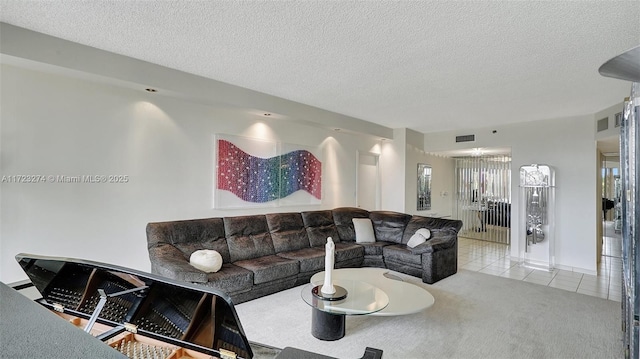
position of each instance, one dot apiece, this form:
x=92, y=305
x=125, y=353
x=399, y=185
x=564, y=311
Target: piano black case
x=139, y=314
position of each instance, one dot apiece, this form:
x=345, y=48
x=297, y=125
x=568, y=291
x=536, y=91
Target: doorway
x=483, y=187
x=611, y=206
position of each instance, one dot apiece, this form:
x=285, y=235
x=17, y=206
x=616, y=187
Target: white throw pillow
x=424, y=232
x=364, y=230
x=206, y=260
x=416, y=240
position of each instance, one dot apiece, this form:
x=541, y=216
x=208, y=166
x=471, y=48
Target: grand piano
x=122, y=312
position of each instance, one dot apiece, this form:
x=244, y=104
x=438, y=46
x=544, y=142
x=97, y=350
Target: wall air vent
x=603, y=124
x=466, y=138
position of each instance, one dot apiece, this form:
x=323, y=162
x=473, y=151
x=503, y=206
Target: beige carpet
x=475, y=316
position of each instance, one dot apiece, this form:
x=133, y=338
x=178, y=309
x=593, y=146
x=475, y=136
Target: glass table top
x=362, y=298
x=404, y=297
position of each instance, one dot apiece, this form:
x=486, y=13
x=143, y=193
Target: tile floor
x=493, y=258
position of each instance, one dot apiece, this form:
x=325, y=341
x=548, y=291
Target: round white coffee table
x=404, y=297
x=370, y=291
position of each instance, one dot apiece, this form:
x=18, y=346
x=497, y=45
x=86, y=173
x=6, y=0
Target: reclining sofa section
x=264, y=254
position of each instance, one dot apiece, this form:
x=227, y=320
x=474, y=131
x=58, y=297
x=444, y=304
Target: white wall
x=442, y=183
x=399, y=163
x=392, y=167
x=569, y=146
x=59, y=125
x=610, y=114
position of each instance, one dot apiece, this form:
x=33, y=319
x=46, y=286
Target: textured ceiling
x=426, y=65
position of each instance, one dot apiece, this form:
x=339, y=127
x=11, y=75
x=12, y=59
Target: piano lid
x=180, y=313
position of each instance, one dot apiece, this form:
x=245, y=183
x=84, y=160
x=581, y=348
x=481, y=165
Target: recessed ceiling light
x=151, y=90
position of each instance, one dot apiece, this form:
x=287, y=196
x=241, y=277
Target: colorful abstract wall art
x=257, y=173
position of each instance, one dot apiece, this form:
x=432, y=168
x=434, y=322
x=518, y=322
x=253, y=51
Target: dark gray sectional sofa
x=264, y=254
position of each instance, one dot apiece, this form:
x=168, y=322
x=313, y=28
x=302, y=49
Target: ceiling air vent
x=603, y=124
x=466, y=138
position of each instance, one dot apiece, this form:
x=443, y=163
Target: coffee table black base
x=340, y=293
x=327, y=326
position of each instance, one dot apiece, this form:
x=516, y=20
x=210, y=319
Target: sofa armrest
x=168, y=261
x=441, y=239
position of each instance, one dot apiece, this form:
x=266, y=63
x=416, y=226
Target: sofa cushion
x=248, y=237
x=343, y=219
x=230, y=279
x=269, y=268
x=206, y=260
x=419, y=237
x=364, y=230
x=424, y=232
x=347, y=251
x=389, y=226
x=416, y=240
x=401, y=253
x=287, y=231
x=374, y=249
x=320, y=226
x=317, y=218
x=310, y=259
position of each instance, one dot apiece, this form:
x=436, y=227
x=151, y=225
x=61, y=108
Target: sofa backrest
x=248, y=237
x=389, y=226
x=190, y=235
x=343, y=219
x=287, y=231
x=319, y=225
